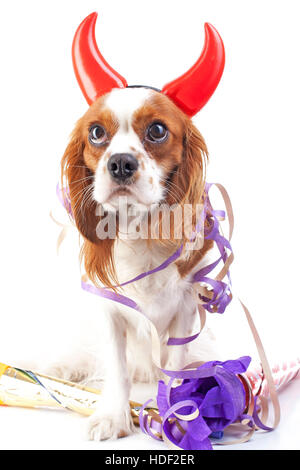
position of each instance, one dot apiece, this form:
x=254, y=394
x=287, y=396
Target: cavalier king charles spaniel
x=139, y=146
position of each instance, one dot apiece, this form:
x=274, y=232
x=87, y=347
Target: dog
x=135, y=147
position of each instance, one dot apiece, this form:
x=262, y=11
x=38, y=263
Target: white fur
x=124, y=102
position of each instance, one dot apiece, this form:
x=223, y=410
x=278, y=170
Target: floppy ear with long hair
x=186, y=185
x=190, y=175
x=96, y=252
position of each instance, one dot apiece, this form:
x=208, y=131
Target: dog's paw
x=104, y=425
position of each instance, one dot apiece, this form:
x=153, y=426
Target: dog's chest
x=135, y=258
x=159, y=294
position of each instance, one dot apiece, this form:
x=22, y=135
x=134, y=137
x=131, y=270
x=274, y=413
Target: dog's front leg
x=112, y=417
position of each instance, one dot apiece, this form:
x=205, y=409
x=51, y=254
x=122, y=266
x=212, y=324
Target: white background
x=251, y=126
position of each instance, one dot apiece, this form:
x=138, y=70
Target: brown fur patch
x=160, y=109
x=185, y=267
x=97, y=114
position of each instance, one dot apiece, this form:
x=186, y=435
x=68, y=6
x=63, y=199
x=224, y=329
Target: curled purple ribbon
x=210, y=398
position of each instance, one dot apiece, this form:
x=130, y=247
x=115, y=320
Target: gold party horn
x=24, y=388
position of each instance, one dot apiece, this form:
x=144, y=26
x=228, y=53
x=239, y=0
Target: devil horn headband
x=190, y=92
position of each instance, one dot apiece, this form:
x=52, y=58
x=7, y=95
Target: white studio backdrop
x=251, y=127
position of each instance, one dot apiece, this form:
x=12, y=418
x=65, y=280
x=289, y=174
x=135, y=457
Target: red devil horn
x=94, y=75
x=191, y=91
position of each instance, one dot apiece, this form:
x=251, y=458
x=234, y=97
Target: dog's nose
x=122, y=166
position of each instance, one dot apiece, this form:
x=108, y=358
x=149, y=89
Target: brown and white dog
x=134, y=143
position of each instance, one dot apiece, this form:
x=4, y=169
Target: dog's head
x=133, y=142
x=136, y=142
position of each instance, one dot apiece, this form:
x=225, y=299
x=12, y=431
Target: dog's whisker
x=81, y=179
x=79, y=203
x=174, y=191
x=79, y=166
x=87, y=196
x=83, y=193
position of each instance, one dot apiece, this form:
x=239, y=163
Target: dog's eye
x=157, y=132
x=97, y=135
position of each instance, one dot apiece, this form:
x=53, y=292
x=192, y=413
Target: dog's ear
x=79, y=179
x=191, y=177
x=191, y=173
